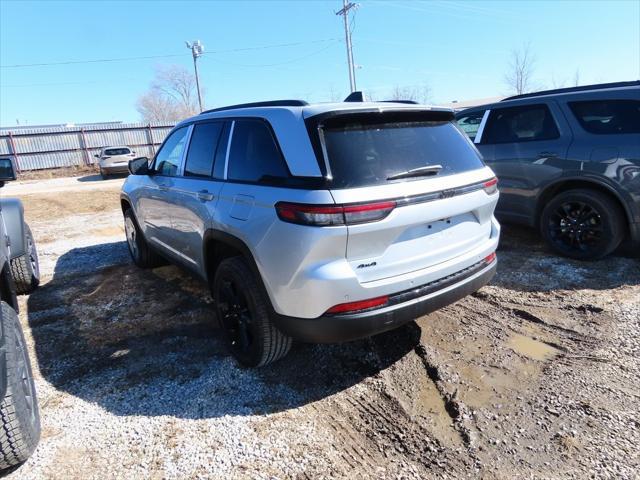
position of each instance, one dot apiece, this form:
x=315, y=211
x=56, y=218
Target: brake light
x=351, y=307
x=491, y=186
x=490, y=258
x=328, y=215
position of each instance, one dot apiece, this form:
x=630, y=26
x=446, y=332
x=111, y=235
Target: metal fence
x=39, y=148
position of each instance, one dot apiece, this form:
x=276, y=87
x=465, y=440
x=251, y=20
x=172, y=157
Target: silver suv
x=114, y=160
x=320, y=223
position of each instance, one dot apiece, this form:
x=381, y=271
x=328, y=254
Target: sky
x=264, y=50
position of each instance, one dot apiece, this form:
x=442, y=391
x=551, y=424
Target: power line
x=124, y=59
x=297, y=59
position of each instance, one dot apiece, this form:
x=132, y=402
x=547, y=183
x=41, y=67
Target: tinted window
x=608, y=116
x=367, y=154
x=202, y=149
x=520, y=124
x=117, y=151
x=471, y=123
x=254, y=155
x=169, y=156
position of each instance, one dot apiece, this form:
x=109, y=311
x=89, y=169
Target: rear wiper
x=417, y=172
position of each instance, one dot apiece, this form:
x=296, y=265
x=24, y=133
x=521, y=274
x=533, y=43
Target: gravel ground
x=534, y=376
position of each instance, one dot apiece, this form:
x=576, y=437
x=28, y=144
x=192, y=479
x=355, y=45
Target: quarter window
x=520, y=124
x=471, y=123
x=169, y=157
x=604, y=117
x=202, y=148
x=254, y=155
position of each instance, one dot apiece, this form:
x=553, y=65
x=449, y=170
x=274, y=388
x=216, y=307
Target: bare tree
x=519, y=77
x=172, y=96
x=333, y=94
x=576, y=78
x=417, y=93
x=555, y=83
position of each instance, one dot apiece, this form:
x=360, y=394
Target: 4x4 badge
x=365, y=265
x=447, y=193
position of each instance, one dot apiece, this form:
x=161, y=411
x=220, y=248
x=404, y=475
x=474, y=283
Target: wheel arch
x=565, y=184
x=219, y=245
x=125, y=204
x=8, y=287
x=13, y=215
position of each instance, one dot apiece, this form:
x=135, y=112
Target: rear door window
x=365, y=154
x=608, y=117
x=254, y=155
x=202, y=148
x=470, y=123
x=520, y=124
x=170, y=155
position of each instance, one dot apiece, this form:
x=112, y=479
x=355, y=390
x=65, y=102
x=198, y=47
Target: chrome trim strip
x=173, y=250
x=325, y=155
x=483, y=122
x=226, y=156
x=183, y=157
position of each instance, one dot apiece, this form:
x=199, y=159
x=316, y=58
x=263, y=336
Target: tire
x=583, y=224
x=104, y=174
x=25, y=269
x=243, y=312
x=19, y=415
x=141, y=253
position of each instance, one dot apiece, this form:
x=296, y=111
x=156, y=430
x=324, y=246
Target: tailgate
x=423, y=230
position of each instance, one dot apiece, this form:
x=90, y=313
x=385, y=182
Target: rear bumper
x=118, y=168
x=342, y=328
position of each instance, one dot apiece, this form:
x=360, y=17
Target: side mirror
x=139, y=166
x=97, y=156
x=7, y=170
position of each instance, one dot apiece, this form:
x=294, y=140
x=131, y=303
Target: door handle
x=163, y=188
x=205, y=195
x=547, y=155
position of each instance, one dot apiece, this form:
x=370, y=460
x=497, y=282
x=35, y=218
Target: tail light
x=491, y=186
x=352, y=307
x=490, y=258
x=324, y=216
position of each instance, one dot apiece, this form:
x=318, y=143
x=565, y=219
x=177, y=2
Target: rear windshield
x=362, y=155
x=117, y=151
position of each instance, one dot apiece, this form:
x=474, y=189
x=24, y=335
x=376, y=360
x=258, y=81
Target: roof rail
x=582, y=88
x=270, y=103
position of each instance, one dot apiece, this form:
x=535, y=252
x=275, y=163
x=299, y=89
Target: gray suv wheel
x=19, y=416
x=26, y=269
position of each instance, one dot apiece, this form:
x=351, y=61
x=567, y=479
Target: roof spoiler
x=359, y=96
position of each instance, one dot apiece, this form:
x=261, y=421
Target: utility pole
x=197, y=49
x=346, y=6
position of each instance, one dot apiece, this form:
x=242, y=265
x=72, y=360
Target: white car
x=114, y=160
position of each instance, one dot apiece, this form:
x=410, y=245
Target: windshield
x=372, y=154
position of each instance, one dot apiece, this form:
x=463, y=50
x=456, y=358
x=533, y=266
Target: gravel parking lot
x=535, y=376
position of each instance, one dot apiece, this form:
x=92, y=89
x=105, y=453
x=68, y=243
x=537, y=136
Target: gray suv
x=568, y=162
x=19, y=274
x=321, y=223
